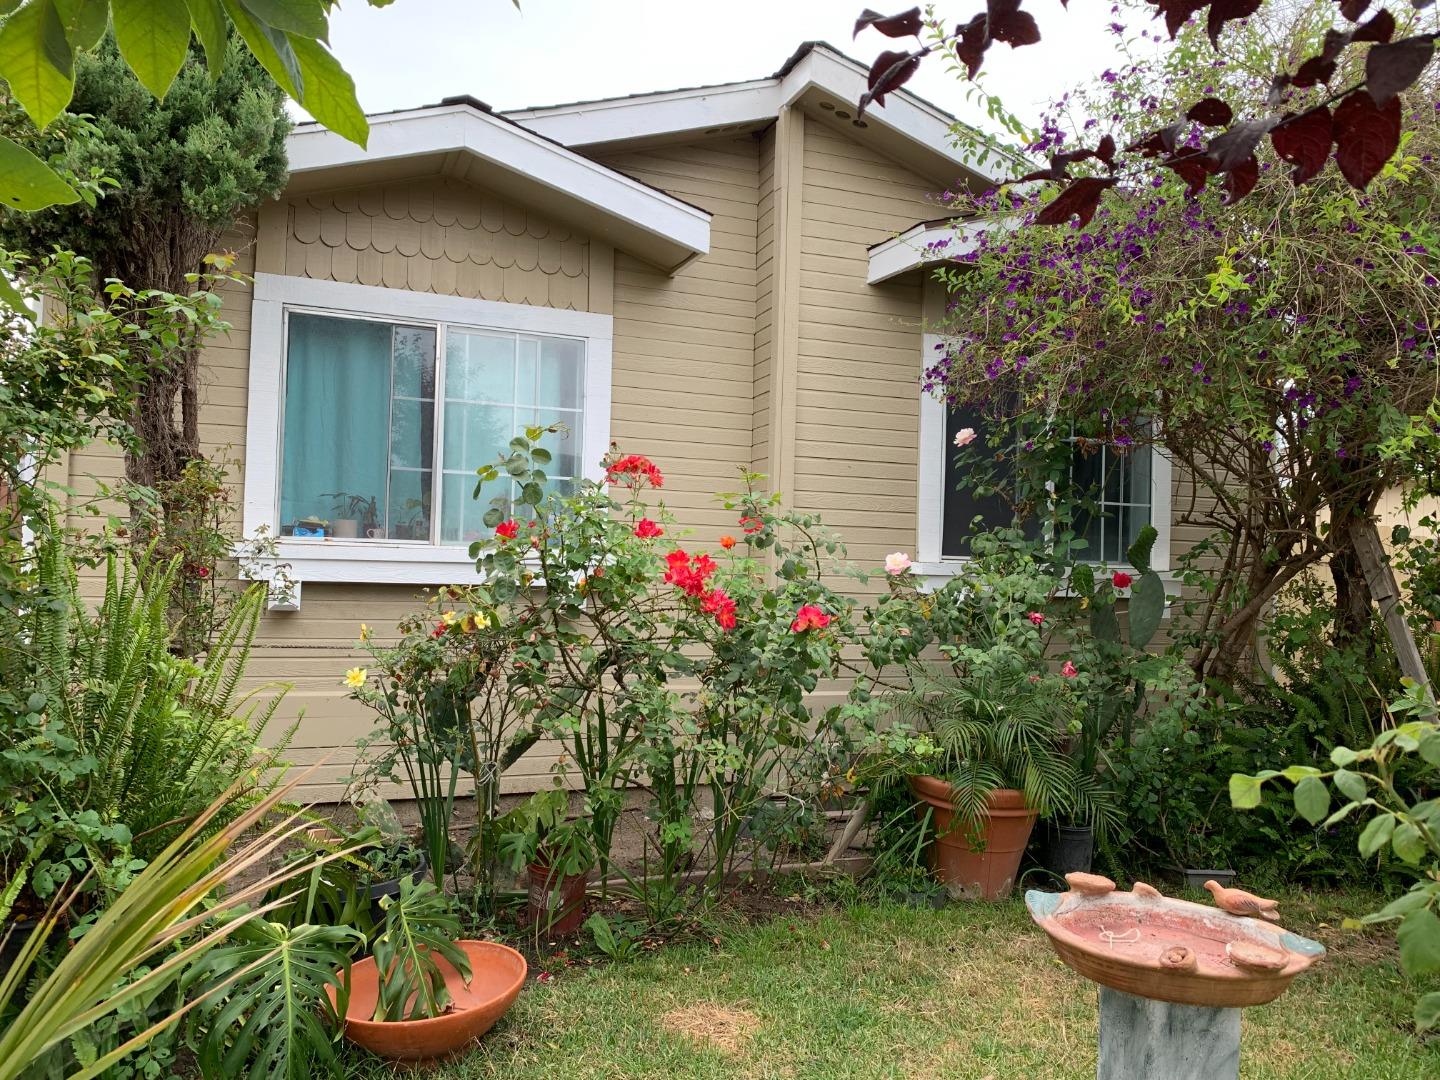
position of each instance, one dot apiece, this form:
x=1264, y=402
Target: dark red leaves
x=972, y=41
x=1194, y=169
x=1223, y=11
x=1237, y=145
x=890, y=71
x=1080, y=199
x=1391, y=68
x=1381, y=28
x=1210, y=111
x=1241, y=180
x=1366, y=136
x=1160, y=142
x=1106, y=151
x=1315, y=70
x=1304, y=141
x=1009, y=24
x=1177, y=12
x=1353, y=9
x=906, y=24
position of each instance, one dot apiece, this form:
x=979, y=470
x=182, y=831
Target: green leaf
x=532, y=494
x=14, y=299
x=271, y=47
x=1376, y=834
x=541, y=456
x=37, y=60
x=1430, y=748
x=493, y=517
x=1351, y=785
x=1402, y=905
x=1296, y=773
x=27, y=183
x=1244, y=791
x=1408, y=843
x=304, y=17
x=1343, y=756
x=1427, y=1011
x=84, y=21
x=1419, y=940
x=329, y=91
x=1103, y=624
x=1147, y=608
x=1138, y=554
x=154, y=36
x=207, y=17
x=1312, y=799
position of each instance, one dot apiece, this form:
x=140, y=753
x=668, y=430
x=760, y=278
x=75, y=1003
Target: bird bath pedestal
x=1173, y=975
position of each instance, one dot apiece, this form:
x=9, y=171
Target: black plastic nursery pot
x=391, y=886
x=1068, y=849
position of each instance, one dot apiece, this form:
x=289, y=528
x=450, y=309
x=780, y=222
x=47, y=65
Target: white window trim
x=383, y=561
x=930, y=516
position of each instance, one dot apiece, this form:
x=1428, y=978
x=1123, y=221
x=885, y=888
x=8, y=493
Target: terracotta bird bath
x=1173, y=974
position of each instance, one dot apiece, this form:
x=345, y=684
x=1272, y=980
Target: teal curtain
x=337, y=416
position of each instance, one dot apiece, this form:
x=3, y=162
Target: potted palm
x=992, y=726
x=556, y=853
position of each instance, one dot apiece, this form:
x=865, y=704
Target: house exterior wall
x=771, y=353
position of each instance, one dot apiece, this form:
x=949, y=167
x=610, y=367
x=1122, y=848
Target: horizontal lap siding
x=857, y=391
x=685, y=345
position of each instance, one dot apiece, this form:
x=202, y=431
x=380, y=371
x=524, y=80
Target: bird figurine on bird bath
x=1173, y=974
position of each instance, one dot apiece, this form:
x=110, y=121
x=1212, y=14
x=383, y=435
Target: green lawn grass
x=964, y=993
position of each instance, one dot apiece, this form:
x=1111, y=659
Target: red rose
x=646, y=529
x=720, y=605
x=809, y=617
x=634, y=471
x=508, y=530
x=751, y=524
x=1121, y=579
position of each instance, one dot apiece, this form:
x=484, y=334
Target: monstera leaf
x=419, y=927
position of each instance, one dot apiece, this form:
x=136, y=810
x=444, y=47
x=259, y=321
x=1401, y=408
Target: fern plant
x=108, y=742
x=276, y=1017
x=420, y=928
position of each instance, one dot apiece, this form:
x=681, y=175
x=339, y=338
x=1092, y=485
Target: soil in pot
x=1068, y=849
x=556, y=905
x=977, y=862
x=497, y=974
x=390, y=887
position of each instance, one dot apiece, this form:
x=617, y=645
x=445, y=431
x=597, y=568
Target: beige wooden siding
x=434, y=235
x=685, y=345
x=764, y=306
x=858, y=394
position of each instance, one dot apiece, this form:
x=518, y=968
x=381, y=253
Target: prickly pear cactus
x=1147, y=594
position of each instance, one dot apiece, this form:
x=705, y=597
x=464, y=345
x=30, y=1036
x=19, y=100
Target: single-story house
x=723, y=278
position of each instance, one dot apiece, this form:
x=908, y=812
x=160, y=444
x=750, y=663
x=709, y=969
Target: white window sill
x=934, y=575
x=381, y=562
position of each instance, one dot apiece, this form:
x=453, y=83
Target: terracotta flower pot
x=497, y=974
x=555, y=904
x=978, y=861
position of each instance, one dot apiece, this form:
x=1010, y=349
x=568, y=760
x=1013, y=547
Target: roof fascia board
x=918, y=246
x=593, y=124
x=461, y=128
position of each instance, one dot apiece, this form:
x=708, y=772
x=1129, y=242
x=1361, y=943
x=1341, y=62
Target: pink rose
x=897, y=562
x=1069, y=670
x=1036, y=618
x=964, y=437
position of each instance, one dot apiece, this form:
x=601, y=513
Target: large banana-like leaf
x=276, y=1020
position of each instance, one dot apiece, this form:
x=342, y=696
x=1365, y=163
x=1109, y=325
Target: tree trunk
x=1352, y=595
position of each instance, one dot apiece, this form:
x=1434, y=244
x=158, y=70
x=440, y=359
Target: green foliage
x=1368, y=781
x=45, y=44
x=999, y=715
x=540, y=832
x=611, y=940
x=111, y=745
x=182, y=169
x=420, y=927
x=269, y=1011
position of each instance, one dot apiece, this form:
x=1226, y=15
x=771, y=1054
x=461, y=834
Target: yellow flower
x=481, y=620
x=449, y=618
x=355, y=677
x=364, y=631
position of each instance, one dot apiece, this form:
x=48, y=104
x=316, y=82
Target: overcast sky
x=416, y=52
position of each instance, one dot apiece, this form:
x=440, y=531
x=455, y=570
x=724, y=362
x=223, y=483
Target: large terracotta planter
x=497, y=974
x=555, y=904
x=977, y=862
